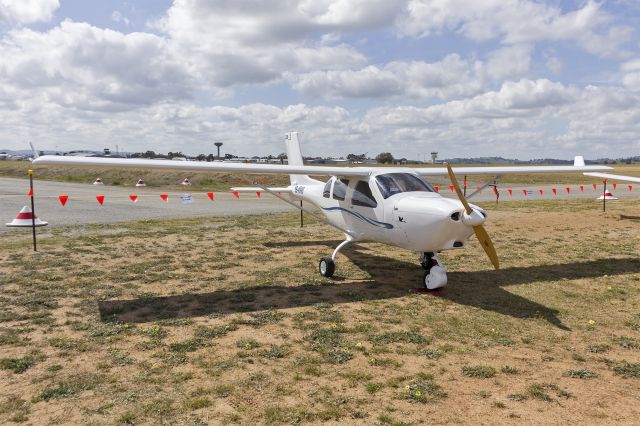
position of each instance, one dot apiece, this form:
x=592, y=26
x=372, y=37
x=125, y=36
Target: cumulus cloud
x=78, y=85
x=80, y=66
x=631, y=77
x=517, y=22
x=451, y=77
x=19, y=12
x=240, y=42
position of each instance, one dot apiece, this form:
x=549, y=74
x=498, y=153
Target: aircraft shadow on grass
x=390, y=279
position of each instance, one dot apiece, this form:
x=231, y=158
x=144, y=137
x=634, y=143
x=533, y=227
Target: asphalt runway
x=83, y=208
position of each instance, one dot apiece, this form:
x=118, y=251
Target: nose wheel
x=435, y=274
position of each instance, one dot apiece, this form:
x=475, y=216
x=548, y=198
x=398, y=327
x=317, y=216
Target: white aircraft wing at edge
x=614, y=177
x=253, y=168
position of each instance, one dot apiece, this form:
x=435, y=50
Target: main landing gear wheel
x=327, y=264
x=435, y=274
x=327, y=267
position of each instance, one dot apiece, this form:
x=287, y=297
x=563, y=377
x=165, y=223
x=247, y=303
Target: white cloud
x=451, y=77
x=516, y=22
x=18, y=12
x=117, y=16
x=508, y=62
x=83, y=67
x=80, y=86
x=240, y=42
x=631, y=77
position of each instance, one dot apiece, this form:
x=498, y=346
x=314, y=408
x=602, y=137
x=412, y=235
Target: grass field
x=227, y=321
x=221, y=182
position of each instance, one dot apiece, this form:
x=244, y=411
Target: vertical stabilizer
x=294, y=158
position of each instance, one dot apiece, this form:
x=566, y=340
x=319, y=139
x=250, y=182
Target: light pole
x=218, y=144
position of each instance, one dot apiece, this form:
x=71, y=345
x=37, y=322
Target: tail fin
x=294, y=158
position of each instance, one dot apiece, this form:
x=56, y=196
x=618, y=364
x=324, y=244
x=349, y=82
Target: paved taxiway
x=82, y=207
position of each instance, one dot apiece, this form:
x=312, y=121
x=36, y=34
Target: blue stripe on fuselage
x=361, y=217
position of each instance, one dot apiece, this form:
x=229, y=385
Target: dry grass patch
x=223, y=320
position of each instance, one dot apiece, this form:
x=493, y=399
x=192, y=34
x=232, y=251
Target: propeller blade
x=481, y=233
x=487, y=245
x=456, y=186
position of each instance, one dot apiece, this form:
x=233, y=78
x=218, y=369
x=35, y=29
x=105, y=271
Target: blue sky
x=511, y=78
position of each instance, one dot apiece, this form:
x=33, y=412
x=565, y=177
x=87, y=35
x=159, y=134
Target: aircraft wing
x=253, y=168
x=614, y=177
x=508, y=170
x=213, y=166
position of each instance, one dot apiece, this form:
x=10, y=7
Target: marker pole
x=33, y=210
x=301, y=219
x=464, y=187
x=604, y=196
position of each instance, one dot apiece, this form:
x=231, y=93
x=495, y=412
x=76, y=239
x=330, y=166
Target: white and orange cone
x=607, y=196
x=98, y=181
x=140, y=183
x=24, y=219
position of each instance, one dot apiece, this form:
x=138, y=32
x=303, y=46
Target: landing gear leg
x=435, y=274
x=327, y=264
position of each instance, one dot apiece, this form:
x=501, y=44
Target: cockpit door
x=366, y=212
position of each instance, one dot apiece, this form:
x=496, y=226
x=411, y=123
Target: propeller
x=481, y=233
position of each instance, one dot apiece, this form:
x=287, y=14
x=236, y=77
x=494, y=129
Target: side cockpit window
x=340, y=189
x=326, y=193
x=362, y=195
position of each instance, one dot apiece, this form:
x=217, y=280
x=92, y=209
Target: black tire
x=326, y=267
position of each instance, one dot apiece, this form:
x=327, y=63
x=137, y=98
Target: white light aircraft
x=381, y=204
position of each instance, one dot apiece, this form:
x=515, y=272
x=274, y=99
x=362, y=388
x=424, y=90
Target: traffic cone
x=186, y=182
x=140, y=183
x=607, y=196
x=24, y=219
x=98, y=181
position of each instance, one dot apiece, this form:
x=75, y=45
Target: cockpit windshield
x=395, y=183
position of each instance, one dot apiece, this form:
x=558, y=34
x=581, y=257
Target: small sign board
x=186, y=199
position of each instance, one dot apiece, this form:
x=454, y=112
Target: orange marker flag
x=210, y=195
x=510, y=191
x=452, y=188
x=437, y=188
x=258, y=194
x=524, y=192
x=555, y=191
x=581, y=188
x=595, y=186
x=568, y=190
x=30, y=193
x=630, y=187
x=100, y=199
x=235, y=194
x=134, y=198
x=615, y=185
x=63, y=199
x=541, y=191
x=165, y=197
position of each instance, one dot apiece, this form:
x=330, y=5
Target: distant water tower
x=218, y=144
x=434, y=157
